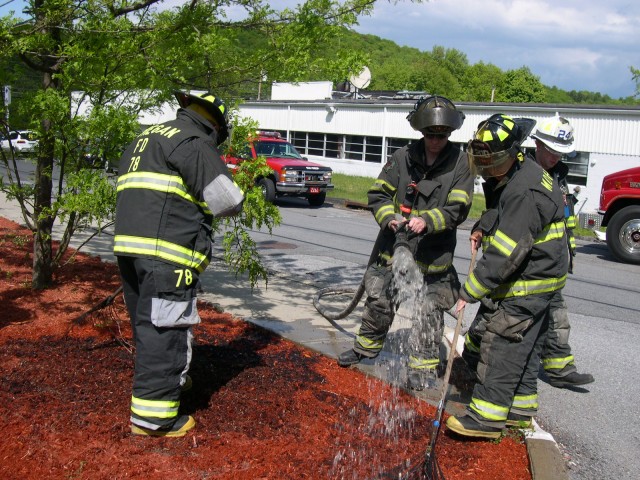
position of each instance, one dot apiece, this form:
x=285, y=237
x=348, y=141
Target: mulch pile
x=265, y=407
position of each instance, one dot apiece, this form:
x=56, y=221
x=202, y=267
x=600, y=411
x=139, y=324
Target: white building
x=356, y=135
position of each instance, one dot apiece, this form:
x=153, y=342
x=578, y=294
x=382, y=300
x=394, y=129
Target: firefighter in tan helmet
x=425, y=190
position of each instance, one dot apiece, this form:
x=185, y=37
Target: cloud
x=575, y=45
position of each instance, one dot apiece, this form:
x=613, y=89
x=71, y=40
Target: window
x=329, y=145
x=316, y=144
x=394, y=144
x=299, y=140
x=373, y=149
x=354, y=147
x=333, y=148
x=578, y=168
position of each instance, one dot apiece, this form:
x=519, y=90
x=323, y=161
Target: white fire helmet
x=556, y=133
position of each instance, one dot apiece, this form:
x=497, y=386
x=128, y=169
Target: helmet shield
x=484, y=162
x=556, y=133
x=496, y=144
x=212, y=104
x=435, y=114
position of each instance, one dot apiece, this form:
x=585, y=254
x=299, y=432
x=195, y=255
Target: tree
x=520, y=86
x=480, y=82
x=126, y=56
x=635, y=75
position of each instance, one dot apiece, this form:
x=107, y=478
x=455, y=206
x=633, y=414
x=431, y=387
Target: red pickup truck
x=620, y=205
x=293, y=175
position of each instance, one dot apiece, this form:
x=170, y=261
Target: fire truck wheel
x=623, y=234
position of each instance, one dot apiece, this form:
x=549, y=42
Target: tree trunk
x=42, y=247
x=42, y=244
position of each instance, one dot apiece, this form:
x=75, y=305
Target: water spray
x=402, y=240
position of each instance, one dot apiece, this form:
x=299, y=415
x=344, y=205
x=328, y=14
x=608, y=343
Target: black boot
x=574, y=379
x=421, y=379
x=350, y=357
x=518, y=421
x=182, y=425
x=469, y=427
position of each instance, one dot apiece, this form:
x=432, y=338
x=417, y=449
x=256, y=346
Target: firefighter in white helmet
x=523, y=265
x=554, y=138
x=172, y=184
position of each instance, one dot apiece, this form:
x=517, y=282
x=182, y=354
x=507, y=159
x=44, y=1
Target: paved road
x=596, y=426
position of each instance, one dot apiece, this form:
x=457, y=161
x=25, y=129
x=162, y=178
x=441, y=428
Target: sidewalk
x=285, y=306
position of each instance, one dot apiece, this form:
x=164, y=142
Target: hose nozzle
x=402, y=238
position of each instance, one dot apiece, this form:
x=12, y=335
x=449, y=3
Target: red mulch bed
x=265, y=408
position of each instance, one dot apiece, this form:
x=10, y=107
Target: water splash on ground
x=389, y=417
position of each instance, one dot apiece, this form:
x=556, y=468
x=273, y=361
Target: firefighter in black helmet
x=523, y=266
x=425, y=188
x=172, y=183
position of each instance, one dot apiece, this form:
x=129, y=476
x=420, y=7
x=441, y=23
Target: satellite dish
x=361, y=80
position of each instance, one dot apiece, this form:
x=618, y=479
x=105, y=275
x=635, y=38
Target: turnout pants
x=161, y=301
x=428, y=323
x=503, y=346
x=557, y=359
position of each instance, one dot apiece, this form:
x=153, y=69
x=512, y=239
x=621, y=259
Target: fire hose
x=402, y=238
x=357, y=292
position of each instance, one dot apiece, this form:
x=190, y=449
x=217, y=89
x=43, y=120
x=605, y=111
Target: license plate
x=314, y=189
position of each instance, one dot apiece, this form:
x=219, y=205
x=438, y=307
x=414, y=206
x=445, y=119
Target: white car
x=22, y=141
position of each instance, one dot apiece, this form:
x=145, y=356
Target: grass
x=354, y=189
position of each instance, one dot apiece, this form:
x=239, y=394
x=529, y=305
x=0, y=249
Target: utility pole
x=7, y=102
x=263, y=78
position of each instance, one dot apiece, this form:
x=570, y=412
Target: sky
x=571, y=44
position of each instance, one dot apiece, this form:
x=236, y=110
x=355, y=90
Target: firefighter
x=172, y=183
x=426, y=189
x=524, y=264
x=554, y=138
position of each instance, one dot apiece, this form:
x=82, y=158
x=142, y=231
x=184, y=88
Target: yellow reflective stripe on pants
x=525, y=402
x=557, y=363
x=470, y=345
x=154, y=408
x=367, y=344
x=422, y=363
x=488, y=410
